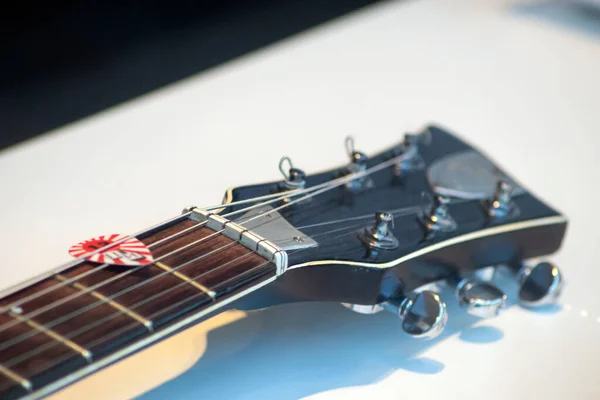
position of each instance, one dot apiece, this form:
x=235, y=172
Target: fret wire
x=339, y=182
x=64, y=318
x=12, y=375
x=327, y=186
x=92, y=325
x=96, y=304
x=54, y=335
x=99, y=284
x=186, y=279
x=39, y=349
x=174, y=305
x=147, y=323
x=49, y=289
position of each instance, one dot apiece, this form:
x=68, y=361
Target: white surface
x=521, y=81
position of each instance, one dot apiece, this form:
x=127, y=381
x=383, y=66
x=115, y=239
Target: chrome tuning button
x=540, y=284
x=478, y=298
x=380, y=236
x=423, y=314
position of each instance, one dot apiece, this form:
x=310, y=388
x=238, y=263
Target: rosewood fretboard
x=88, y=312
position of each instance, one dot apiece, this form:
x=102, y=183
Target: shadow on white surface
x=297, y=350
x=569, y=14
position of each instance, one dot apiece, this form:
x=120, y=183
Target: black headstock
x=439, y=210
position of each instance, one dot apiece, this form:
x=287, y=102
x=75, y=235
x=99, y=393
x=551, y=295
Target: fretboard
x=89, y=315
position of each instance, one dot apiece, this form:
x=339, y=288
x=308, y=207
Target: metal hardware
x=294, y=177
x=273, y=227
x=263, y=247
x=502, y=206
x=478, y=298
x=358, y=163
x=423, y=314
x=438, y=218
x=364, y=309
x=468, y=175
x=379, y=236
x=540, y=284
x=411, y=159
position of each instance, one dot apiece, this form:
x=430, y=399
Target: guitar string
x=273, y=198
x=325, y=187
x=401, y=211
x=396, y=213
x=277, y=196
x=34, y=352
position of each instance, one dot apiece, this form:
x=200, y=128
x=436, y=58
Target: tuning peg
x=478, y=298
x=438, y=218
x=410, y=159
x=540, y=284
x=294, y=177
x=502, y=205
x=423, y=314
x=379, y=236
x=358, y=163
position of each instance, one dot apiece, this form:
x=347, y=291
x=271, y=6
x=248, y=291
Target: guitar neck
x=89, y=315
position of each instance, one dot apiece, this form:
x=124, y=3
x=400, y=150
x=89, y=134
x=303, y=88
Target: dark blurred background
x=64, y=60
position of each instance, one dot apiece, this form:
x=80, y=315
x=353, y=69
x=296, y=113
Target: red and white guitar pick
x=130, y=252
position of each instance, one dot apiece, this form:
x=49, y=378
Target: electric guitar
x=372, y=234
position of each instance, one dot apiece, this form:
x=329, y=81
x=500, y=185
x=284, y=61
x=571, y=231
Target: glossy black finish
x=339, y=241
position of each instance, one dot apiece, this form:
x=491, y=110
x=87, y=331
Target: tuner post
x=294, y=178
x=502, y=205
x=438, y=218
x=357, y=164
x=410, y=157
x=380, y=236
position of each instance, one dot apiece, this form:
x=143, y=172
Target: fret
x=147, y=323
x=87, y=312
x=16, y=378
x=50, y=353
x=80, y=314
x=186, y=279
x=54, y=335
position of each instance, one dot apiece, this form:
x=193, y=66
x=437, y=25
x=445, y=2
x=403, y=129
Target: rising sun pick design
x=130, y=252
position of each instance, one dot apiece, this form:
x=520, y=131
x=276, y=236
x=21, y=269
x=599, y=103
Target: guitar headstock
x=430, y=208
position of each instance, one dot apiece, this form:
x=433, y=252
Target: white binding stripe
x=61, y=383
x=517, y=226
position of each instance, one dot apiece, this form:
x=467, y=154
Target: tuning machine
x=357, y=164
x=423, y=314
x=379, y=236
x=539, y=284
x=410, y=157
x=294, y=178
x=502, y=205
x=478, y=298
x=437, y=218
